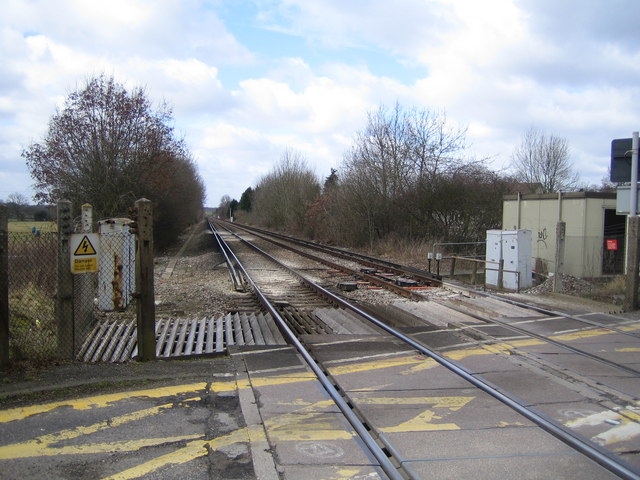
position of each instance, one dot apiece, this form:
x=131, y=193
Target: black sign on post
x=621, y=160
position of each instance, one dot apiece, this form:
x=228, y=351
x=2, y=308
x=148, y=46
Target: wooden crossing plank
x=256, y=330
x=90, y=340
x=219, y=335
x=280, y=340
x=104, y=343
x=210, y=335
x=324, y=314
x=132, y=346
x=96, y=341
x=228, y=330
x=169, y=345
x=116, y=341
x=181, y=336
x=117, y=354
x=199, y=346
x=360, y=325
x=246, y=328
x=237, y=328
x=115, y=337
x=188, y=347
x=266, y=331
x=160, y=341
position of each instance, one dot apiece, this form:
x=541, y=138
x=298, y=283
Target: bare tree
x=282, y=197
x=544, y=159
x=17, y=203
x=108, y=147
x=390, y=173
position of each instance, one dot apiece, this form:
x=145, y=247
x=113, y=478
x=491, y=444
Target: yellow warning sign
x=84, y=252
x=85, y=247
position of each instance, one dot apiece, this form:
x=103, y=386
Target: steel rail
x=416, y=295
x=373, y=261
x=390, y=470
x=564, y=346
x=604, y=458
x=428, y=275
x=422, y=274
x=553, y=313
x=371, y=278
x=235, y=278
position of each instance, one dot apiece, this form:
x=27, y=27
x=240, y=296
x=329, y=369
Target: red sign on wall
x=612, y=244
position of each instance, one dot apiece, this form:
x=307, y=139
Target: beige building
x=594, y=232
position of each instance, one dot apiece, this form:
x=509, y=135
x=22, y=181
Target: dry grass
x=402, y=250
x=27, y=227
x=611, y=290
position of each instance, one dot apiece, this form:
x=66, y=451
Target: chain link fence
x=32, y=295
x=39, y=330
x=60, y=291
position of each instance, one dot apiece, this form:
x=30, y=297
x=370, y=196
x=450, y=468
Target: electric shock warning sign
x=84, y=252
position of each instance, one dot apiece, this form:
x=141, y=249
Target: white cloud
x=497, y=66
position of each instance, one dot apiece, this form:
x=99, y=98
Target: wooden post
x=453, y=267
x=633, y=257
x=64, y=296
x=474, y=272
x=4, y=287
x=145, y=305
x=500, y=274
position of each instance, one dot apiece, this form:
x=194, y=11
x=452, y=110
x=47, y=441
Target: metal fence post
x=64, y=297
x=4, y=287
x=145, y=305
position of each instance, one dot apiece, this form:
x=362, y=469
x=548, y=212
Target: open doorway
x=613, y=243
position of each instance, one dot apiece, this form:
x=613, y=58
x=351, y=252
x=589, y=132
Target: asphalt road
x=158, y=420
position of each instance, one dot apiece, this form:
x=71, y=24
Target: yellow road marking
x=41, y=446
x=421, y=423
x=451, y=403
x=310, y=426
x=98, y=401
x=190, y=451
x=31, y=450
x=299, y=426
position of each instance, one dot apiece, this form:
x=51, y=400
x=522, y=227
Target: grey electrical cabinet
x=512, y=249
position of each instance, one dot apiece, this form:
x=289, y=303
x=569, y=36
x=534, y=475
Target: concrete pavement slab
x=577, y=363
x=490, y=362
x=476, y=443
x=614, y=429
x=303, y=397
x=628, y=385
x=537, y=467
x=414, y=372
x=441, y=339
x=532, y=388
x=435, y=410
x=319, y=439
x=552, y=326
x=342, y=472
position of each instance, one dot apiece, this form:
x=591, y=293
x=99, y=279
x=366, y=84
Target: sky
x=250, y=79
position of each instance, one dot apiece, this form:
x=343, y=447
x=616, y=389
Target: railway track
x=525, y=346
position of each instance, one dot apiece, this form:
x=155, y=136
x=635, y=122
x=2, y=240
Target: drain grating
x=116, y=340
